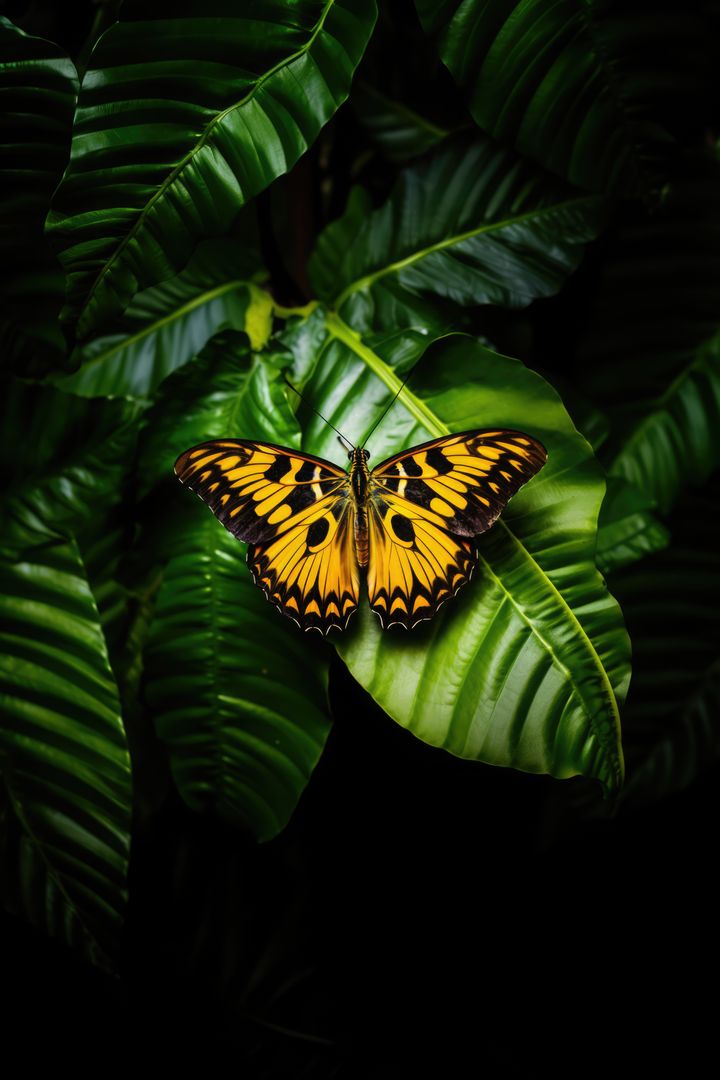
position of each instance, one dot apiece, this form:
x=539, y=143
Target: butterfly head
x=359, y=455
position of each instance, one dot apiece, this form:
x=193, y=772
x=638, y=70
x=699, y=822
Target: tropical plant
x=210, y=200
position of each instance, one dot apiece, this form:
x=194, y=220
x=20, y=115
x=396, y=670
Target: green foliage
x=220, y=119
x=581, y=86
x=474, y=224
x=224, y=225
x=212, y=683
x=39, y=87
x=537, y=617
x=671, y=604
x=168, y=324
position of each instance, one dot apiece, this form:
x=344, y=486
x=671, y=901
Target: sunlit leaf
x=526, y=667
x=168, y=324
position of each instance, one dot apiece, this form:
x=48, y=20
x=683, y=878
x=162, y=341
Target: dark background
x=416, y=905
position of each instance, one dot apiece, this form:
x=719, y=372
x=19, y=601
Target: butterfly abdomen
x=361, y=535
x=360, y=479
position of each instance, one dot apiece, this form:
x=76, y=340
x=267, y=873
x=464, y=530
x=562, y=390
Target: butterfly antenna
x=342, y=437
x=387, y=410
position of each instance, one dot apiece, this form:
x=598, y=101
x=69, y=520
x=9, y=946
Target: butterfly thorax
x=360, y=482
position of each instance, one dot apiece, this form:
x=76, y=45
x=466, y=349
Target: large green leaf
x=225, y=390
x=183, y=116
x=168, y=324
x=62, y=753
x=527, y=666
x=651, y=348
x=672, y=720
x=238, y=693
x=38, y=86
x=581, y=86
x=474, y=224
x=64, y=460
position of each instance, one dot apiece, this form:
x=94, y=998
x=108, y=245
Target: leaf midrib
x=452, y=241
x=172, y=176
x=338, y=329
x=158, y=325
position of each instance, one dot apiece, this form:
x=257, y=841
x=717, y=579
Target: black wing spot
x=317, y=532
x=411, y=467
x=305, y=472
x=278, y=468
x=403, y=528
x=437, y=460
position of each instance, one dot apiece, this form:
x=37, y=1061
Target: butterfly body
x=408, y=523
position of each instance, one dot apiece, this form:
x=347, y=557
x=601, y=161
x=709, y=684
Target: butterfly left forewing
x=309, y=571
x=257, y=489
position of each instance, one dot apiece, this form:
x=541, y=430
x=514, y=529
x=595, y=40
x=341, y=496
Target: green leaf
x=181, y=120
x=398, y=131
x=63, y=753
x=168, y=324
x=64, y=460
x=627, y=530
x=651, y=349
x=472, y=225
x=39, y=86
x=239, y=695
x=527, y=665
x=670, y=601
x=226, y=392
x=578, y=85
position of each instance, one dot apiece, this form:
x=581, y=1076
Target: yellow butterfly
x=409, y=522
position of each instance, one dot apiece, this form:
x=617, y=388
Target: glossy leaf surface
x=628, y=529
x=168, y=324
x=181, y=120
x=473, y=224
x=63, y=752
x=239, y=695
x=581, y=86
x=526, y=666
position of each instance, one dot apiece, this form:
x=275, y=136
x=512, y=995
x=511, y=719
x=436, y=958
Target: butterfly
x=409, y=523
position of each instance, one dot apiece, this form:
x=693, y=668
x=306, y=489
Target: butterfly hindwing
x=309, y=570
x=294, y=511
x=462, y=481
x=415, y=564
